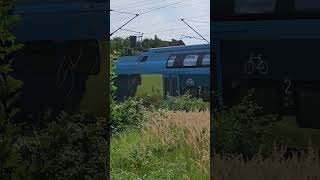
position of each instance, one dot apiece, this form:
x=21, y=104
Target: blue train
x=167, y=71
x=273, y=46
x=63, y=64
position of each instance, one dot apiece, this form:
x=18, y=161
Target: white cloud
x=165, y=22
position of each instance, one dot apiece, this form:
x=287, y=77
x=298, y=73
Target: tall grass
x=305, y=166
x=170, y=146
x=181, y=130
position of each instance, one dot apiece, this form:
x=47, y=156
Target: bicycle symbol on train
x=256, y=64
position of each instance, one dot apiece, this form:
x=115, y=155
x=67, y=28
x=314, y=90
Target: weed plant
x=172, y=145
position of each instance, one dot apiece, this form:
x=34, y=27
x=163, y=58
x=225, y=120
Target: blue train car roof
x=61, y=20
x=157, y=59
x=180, y=48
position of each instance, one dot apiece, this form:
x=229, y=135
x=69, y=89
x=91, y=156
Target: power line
x=195, y=31
x=198, y=21
x=124, y=24
x=144, y=4
x=128, y=5
x=153, y=2
x=190, y=37
x=111, y=10
x=168, y=30
x=132, y=31
x=189, y=4
x=157, y=8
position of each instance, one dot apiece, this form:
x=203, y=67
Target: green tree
x=121, y=45
x=10, y=167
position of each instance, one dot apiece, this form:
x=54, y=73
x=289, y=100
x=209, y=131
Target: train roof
x=156, y=59
x=60, y=20
x=180, y=48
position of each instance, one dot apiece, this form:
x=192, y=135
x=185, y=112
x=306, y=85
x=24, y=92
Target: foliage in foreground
x=9, y=92
x=299, y=167
x=242, y=130
x=71, y=147
x=129, y=114
x=133, y=112
x=171, y=146
x=177, y=103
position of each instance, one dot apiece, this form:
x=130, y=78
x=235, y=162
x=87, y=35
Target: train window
x=190, y=60
x=254, y=6
x=178, y=62
x=307, y=5
x=143, y=58
x=175, y=61
x=206, y=60
x=171, y=60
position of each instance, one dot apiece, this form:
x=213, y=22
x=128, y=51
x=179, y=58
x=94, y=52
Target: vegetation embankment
x=160, y=139
x=250, y=145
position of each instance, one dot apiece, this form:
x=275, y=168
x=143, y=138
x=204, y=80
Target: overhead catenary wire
x=154, y=7
x=124, y=24
x=132, y=31
x=161, y=7
x=147, y=3
x=195, y=31
x=112, y=10
x=172, y=29
x=190, y=37
x=142, y=5
x=198, y=21
x=136, y=15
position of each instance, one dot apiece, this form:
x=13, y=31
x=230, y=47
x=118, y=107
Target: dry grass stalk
x=304, y=167
x=181, y=129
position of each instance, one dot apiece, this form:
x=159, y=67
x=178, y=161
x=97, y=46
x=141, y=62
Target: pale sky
x=162, y=19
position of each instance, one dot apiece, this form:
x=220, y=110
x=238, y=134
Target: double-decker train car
x=272, y=46
x=166, y=71
x=63, y=64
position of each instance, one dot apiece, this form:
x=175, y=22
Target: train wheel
x=308, y=103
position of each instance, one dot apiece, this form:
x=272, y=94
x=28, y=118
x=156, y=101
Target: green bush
x=71, y=147
x=152, y=102
x=184, y=103
x=128, y=114
x=241, y=130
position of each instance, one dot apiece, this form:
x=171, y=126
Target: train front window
x=170, y=61
x=254, y=6
x=206, y=60
x=190, y=60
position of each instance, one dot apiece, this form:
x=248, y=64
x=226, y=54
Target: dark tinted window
x=185, y=60
x=171, y=60
x=265, y=9
x=190, y=60
x=307, y=5
x=143, y=58
x=254, y=6
x=178, y=62
x=206, y=60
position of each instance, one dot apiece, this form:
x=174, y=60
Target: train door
x=171, y=85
